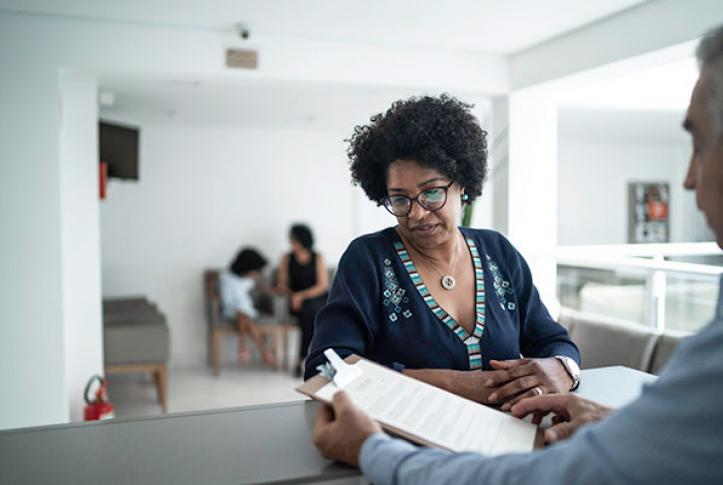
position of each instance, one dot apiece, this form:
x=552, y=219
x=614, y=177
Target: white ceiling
x=648, y=105
x=256, y=104
x=667, y=87
x=493, y=26
x=338, y=108
x=621, y=125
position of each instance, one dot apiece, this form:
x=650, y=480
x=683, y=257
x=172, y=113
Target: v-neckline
x=471, y=340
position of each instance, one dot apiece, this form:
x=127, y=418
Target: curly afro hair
x=247, y=260
x=437, y=132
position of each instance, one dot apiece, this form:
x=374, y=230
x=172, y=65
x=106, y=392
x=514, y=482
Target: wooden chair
x=274, y=326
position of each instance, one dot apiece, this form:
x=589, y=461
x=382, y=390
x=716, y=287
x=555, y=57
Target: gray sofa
x=136, y=340
x=605, y=341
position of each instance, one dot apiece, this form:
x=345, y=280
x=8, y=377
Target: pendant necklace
x=448, y=282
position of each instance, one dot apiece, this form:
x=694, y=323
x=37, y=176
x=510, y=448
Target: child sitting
x=235, y=285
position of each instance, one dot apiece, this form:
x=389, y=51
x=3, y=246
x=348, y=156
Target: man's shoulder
x=697, y=357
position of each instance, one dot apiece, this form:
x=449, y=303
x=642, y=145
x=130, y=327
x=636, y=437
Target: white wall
x=532, y=184
x=499, y=157
x=80, y=240
x=34, y=49
x=33, y=52
x=49, y=298
x=32, y=370
x=593, y=187
x=206, y=188
x=203, y=193
x=594, y=170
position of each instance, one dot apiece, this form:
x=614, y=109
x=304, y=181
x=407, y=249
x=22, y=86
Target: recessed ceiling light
x=106, y=99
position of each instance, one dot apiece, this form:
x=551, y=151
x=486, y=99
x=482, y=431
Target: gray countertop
x=257, y=444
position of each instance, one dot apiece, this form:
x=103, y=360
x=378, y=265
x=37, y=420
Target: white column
x=532, y=184
x=80, y=236
x=498, y=176
x=32, y=352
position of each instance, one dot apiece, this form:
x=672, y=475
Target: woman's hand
x=297, y=300
x=513, y=380
x=469, y=384
x=278, y=290
x=569, y=413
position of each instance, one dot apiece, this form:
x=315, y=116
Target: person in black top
x=303, y=277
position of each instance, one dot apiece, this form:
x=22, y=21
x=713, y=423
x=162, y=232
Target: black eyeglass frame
x=387, y=201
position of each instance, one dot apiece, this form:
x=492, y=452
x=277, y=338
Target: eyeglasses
x=431, y=199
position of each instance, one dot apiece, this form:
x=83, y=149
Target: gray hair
x=710, y=56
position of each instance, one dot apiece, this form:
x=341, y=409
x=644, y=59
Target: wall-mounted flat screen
x=118, y=147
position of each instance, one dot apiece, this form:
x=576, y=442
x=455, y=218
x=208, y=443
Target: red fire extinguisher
x=100, y=407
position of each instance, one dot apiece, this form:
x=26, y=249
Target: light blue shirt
x=235, y=292
x=672, y=434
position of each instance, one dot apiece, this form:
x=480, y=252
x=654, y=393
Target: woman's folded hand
x=513, y=380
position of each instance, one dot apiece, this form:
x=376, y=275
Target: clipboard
x=313, y=386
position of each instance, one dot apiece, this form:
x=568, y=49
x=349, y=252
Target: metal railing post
x=656, y=287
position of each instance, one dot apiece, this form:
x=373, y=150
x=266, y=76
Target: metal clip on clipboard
x=344, y=373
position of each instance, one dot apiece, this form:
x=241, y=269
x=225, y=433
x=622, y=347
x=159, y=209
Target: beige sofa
x=136, y=339
x=605, y=341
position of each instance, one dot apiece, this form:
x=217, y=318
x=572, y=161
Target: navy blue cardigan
x=379, y=308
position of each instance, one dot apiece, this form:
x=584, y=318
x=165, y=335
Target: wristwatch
x=573, y=370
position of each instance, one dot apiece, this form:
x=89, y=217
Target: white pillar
x=532, y=184
x=80, y=236
x=498, y=176
x=32, y=351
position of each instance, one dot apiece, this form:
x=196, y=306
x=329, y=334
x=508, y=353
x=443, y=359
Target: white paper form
x=434, y=414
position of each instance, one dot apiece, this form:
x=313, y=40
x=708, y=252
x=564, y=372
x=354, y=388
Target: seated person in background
x=454, y=307
x=672, y=434
x=303, y=277
x=236, y=284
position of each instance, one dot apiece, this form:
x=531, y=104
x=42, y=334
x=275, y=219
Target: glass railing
x=667, y=286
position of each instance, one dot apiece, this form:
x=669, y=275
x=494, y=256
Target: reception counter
x=257, y=444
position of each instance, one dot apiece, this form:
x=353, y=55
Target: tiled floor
x=194, y=388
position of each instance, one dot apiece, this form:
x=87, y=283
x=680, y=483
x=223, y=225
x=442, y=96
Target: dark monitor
x=118, y=147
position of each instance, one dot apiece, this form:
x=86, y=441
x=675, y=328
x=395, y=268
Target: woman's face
x=296, y=245
x=424, y=228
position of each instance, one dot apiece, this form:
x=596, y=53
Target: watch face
x=574, y=367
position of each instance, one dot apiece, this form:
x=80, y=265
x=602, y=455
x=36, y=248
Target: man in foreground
x=672, y=434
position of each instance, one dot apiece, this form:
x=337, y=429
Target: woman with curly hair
x=454, y=307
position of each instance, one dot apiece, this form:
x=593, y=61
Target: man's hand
x=340, y=431
x=570, y=412
x=517, y=379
